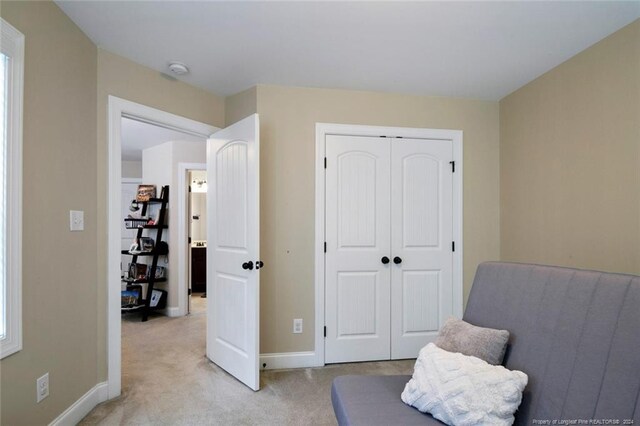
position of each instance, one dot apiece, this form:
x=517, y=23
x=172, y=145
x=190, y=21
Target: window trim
x=12, y=44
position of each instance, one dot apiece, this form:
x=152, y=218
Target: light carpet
x=167, y=380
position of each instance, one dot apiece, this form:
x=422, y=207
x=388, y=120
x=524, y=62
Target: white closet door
x=421, y=232
x=357, y=237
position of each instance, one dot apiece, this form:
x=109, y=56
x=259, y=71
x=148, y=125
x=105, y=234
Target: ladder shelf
x=144, y=304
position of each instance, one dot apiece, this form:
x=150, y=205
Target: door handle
x=247, y=265
x=397, y=260
x=384, y=260
x=259, y=264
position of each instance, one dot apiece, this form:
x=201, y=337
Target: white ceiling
x=137, y=136
x=482, y=50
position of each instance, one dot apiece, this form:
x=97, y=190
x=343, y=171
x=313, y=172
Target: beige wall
x=288, y=117
x=570, y=161
x=240, y=105
x=125, y=79
x=59, y=274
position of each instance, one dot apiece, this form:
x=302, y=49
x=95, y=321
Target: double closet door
x=389, y=221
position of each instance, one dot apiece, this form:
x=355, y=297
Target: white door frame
x=117, y=109
x=324, y=129
x=183, y=247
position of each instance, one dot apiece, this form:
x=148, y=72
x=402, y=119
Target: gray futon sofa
x=575, y=333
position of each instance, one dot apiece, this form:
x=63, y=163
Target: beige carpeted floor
x=166, y=380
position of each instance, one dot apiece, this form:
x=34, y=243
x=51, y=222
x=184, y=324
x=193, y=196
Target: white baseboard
x=76, y=412
x=284, y=360
x=172, y=311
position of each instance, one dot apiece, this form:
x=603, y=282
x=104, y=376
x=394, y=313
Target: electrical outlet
x=42, y=387
x=76, y=220
x=297, y=325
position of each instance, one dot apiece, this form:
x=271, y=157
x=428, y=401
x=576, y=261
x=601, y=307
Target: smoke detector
x=178, y=68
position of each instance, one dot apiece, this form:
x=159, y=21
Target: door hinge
x=453, y=246
x=189, y=240
x=189, y=188
x=325, y=331
x=453, y=166
x=325, y=162
x=325, y=246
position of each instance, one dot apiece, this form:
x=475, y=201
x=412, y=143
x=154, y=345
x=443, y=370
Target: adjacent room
x=292, y=213
x=146, y=158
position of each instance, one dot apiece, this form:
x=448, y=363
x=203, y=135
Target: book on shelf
x=137, y=271
x=146, y=192
x=131, y=297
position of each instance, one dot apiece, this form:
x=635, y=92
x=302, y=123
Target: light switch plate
x=297, y=326
x=76, y=220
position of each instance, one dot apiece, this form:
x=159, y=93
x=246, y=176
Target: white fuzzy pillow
x=463, y=390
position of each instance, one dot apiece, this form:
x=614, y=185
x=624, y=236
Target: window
x=11, y=83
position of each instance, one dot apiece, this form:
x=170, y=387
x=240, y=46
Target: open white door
x=233, y=250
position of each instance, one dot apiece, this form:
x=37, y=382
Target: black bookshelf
x=145, y=304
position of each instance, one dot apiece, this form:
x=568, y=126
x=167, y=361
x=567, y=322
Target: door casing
x=324, y=129
x=117, y=109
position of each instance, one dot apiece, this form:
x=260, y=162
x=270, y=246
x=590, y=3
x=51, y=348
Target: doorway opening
x=148, y=152
x=120, y=110
x=197, y=240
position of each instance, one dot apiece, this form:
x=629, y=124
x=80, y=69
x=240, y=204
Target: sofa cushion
x=488, y=344
x=374, y=400
x=459, y=389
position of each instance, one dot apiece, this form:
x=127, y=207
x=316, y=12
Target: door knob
x=259, y=264
x=384, y=260
x=247, y=265
x=397, y=260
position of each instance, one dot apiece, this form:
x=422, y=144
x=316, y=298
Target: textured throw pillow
x=463, y=390
x=488, y=344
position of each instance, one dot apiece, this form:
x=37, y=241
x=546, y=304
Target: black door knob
x=384, y=260
x=259, y=264
x=397, y=260
x=247, y=265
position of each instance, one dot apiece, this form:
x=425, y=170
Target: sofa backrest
x=575, y=333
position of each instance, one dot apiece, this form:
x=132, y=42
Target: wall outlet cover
x=42, y=387
x=76, y=220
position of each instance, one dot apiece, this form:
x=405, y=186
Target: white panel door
x=421, y=242
x=233, y=243
x=357, y=237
